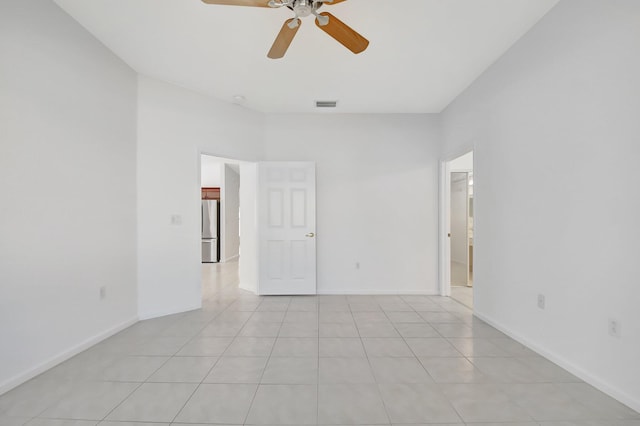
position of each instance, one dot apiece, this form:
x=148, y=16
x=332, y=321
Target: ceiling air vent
x=326, y=104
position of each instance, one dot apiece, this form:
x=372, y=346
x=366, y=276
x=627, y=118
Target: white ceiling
x=422, y=53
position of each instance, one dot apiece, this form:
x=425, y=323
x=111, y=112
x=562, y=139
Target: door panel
x=286, y=228
x=299, y=214
x=275, y=259
x=275, y=200
x=298, y=259
x=459, y=228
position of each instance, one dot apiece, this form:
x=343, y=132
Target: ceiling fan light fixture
x=303, y=8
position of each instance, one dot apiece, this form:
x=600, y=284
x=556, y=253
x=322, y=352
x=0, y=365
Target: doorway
x=220, y=195
x=458, y=249
x=267, y=225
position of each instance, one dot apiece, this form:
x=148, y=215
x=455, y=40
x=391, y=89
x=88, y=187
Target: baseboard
x=589, y=378
x=250, y=289
x=341, y=291
x=231, y=259
x=158, y=314
x=23, y=377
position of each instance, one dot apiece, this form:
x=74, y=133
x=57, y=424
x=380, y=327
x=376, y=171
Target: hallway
x=328, y=360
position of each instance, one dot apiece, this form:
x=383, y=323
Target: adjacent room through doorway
x=220, y=222
x=461, y=197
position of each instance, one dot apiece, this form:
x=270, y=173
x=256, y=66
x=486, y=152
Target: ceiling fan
x=328, y=23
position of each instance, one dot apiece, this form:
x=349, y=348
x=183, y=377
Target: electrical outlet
x=176, y=219
x=614, y=328
x=103, y=293
x=541, y=301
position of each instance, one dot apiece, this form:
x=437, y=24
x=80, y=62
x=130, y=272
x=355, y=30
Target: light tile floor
x=462, y=294
x=326, y=360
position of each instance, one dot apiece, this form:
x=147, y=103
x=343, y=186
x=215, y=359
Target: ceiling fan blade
x=284, y=39
x=330, y=2
x=254, y=3
x=343, y=33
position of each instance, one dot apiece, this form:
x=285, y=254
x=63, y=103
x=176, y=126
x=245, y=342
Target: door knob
x=310, y=235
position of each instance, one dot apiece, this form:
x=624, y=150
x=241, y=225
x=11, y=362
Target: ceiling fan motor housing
x=303, y=8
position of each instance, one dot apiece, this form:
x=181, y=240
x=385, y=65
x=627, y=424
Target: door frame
x=444, y=246
x=248, y=263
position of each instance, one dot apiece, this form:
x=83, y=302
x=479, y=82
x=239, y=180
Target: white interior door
x=286, y=228
x=459, y=228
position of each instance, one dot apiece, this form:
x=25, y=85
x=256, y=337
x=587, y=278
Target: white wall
x=67, y=185
x=377, y=188
x=210, y=172
x=231, y=207
x=176, y=126
x=464, y=163
x=556, y=130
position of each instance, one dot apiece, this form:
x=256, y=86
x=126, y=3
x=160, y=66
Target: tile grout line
x=163, y=364
x=212, y=367
x=275, y=342
x=437, y=385
x=366, y=354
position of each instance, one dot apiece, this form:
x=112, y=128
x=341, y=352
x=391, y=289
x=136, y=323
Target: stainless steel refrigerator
x=210, y=228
